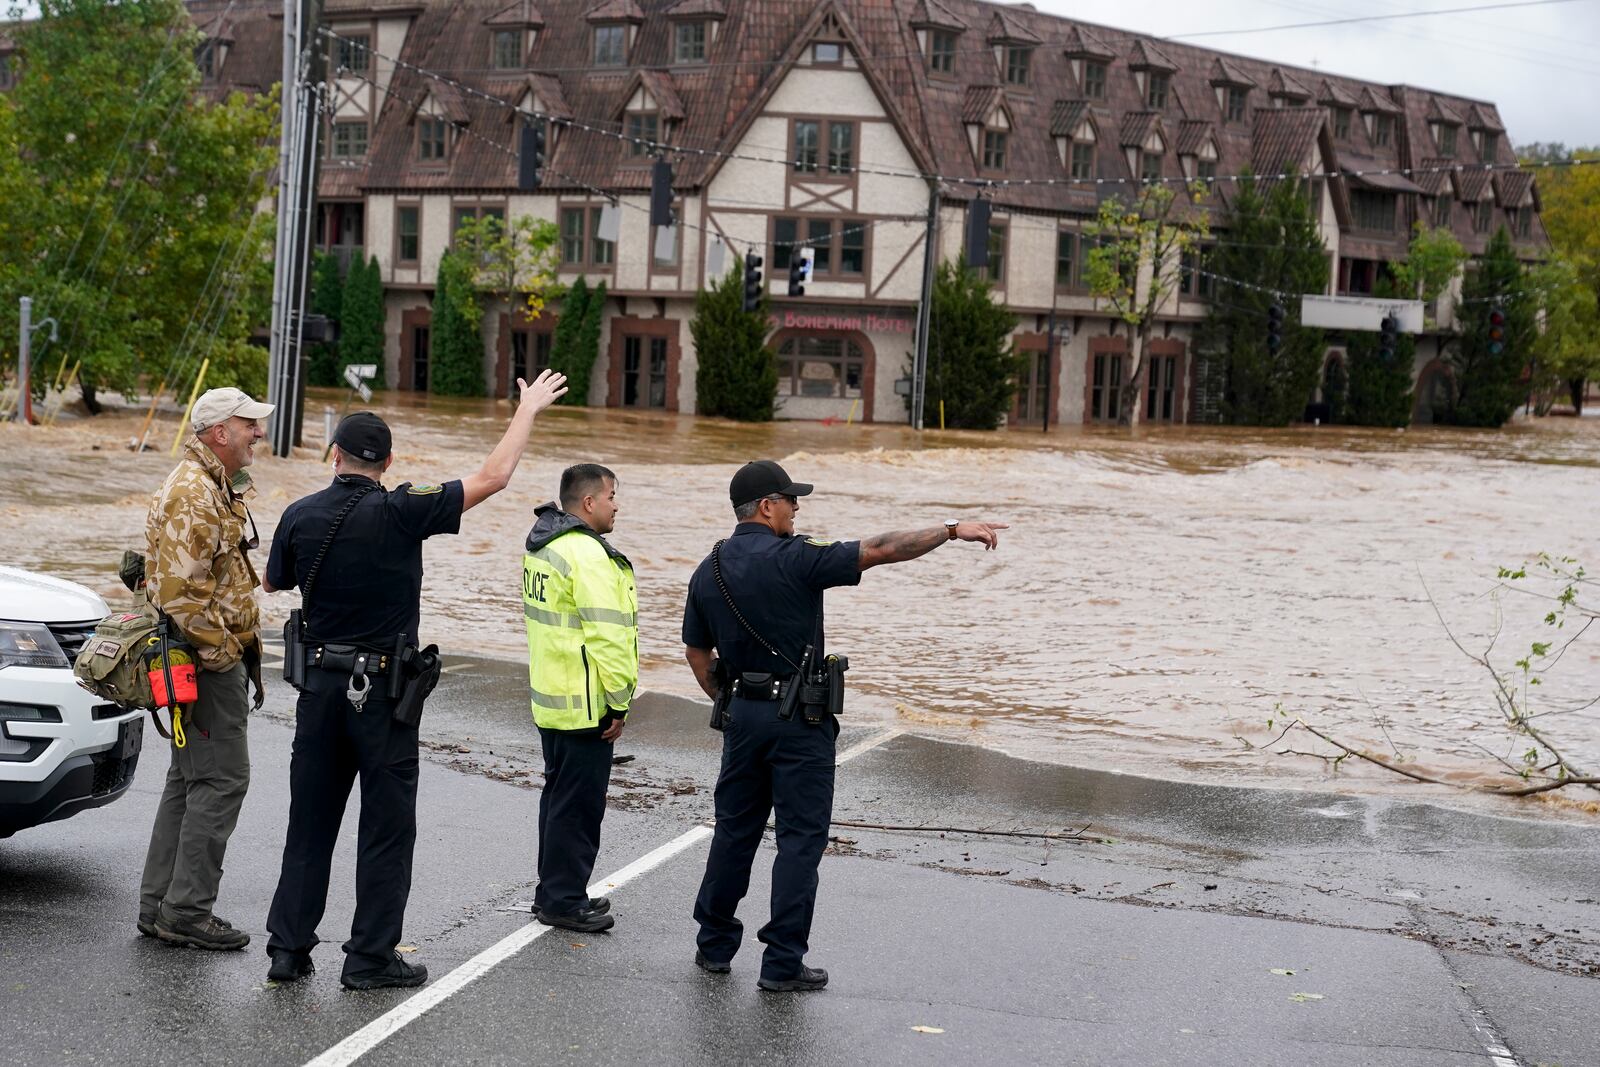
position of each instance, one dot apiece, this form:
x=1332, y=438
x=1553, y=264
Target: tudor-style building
x=815, y=121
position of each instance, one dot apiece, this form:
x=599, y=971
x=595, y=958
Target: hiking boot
x=808, y=979
x=398, y=973
x=208, y=933
x=147, y=926
x=708, y=965
x=586, y=921
x=289, y=966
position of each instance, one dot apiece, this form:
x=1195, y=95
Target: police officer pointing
x=355, y=551
x=757, y=601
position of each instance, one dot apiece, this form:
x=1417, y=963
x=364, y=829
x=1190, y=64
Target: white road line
x=378, y=1030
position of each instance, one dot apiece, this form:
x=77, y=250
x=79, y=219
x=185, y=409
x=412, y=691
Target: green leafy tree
x=455, y=366
x=1380, y=391
x=737, y=373
x=1134, y=266
x=1569, y=208
x=576, y=343
x=361, y=328
x=973, y=365
x=515, y=262
x=1433, y=259
x=1566, y=349
x=128, y=201
x=1272, y=247
x=1489, y=385
x=587, y=349
x=327, y=298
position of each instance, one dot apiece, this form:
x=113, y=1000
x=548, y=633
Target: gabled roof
x=980, y=102
x=659, y=85
x=1473, y=185
x=1146, y=56
x=1137, y=127
x=615, y=11
x=1282, y=137
x=1281, y=84
x=215, y=28
x=1379, y=102
x=1443, y=112
x=1513, y=186
x=1225, y=73
x=1192, y=136
x=714, y=9
x=447, y=102
x=932, y=13
x=1433, y=176
x=1375, y=174
x=518, y=15
x=1066, y=116
x=1335, y=95
x=1004, y=28
x=1080, y=43
x=544, y=86
x=1482, y=118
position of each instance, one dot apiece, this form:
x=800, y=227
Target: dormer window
x=1157, y=82
x=1442, y=213
x=1019, y=61
x=689, y=42
x=942, y=52
x=1444, y=135
x=1238, y=99
x=1382, y=130
x=1075, y=137
x=1487, y=142
x=8, y=71
x=994, y=149
x=1341, y=123
x=827, y=53
x=1150, y=165
x=1483, y=217
x=505, y=49
x=433, y=139
x=353, y=52
x=610, y=45
x=205, y=57
x=642, y=126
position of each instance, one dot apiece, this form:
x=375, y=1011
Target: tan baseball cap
x=220, y=405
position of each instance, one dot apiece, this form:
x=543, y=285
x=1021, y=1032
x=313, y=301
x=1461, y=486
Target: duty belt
x=757, y=686
x=360, y=664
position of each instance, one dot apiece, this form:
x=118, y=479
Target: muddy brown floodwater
x=1158, y=600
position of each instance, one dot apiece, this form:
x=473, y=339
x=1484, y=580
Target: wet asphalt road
x=1416, y=935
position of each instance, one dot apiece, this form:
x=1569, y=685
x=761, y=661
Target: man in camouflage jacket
x=198, y=572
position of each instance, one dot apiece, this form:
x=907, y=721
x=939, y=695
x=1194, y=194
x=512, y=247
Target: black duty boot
x=808, y=979
x=586, y=921
x=600, y=905
x=211, y=933
x=704, y=964
x=289, y=966
x=398, y=973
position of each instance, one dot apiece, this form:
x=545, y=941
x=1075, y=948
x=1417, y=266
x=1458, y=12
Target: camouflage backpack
x=112, y=663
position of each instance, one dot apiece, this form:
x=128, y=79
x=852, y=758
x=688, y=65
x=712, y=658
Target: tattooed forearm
x=900, y=546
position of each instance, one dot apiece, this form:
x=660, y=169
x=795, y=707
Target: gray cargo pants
x=200, y=804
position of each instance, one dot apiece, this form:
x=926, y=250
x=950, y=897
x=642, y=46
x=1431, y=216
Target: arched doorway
x=1332, y=391
x=824, y=374
x=1435, y=394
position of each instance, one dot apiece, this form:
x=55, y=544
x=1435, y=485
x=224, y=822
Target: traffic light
x=661, y=193
x=800, y=261
x=1274, y=328
x=1388, y=337
x=752, y=281
x=1497, y=331
x=978, y=233
x=530, y=155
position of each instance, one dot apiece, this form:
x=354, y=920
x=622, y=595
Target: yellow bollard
x=848, y=419
x=941, y=414
x=194, y=394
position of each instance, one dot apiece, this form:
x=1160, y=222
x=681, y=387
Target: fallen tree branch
x=1385, y=764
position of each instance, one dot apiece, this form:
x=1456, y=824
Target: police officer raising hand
x=756, y=602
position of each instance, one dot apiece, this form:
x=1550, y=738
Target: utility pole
x=919, y=356
x=1049, y=353
x=24, y=412
x=304, y=71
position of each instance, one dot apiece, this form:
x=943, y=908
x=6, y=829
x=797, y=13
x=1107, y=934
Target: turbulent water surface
x=1159, y=598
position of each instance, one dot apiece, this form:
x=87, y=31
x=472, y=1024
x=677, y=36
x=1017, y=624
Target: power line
x=1364, y=18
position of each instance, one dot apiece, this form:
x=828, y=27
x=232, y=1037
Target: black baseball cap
x=364, y=436
x=763, y=477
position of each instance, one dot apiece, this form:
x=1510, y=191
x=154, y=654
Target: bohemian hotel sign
x=842, y=319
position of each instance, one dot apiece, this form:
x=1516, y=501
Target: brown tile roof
x=615, y=11
x=1444, y=112
x=659, y=85
x=1282, y=137
x=1513, y=186
x=1380, y=177
x=1192, y=136
x=1473, y=185
x=1335, y=94
x=1480, y=117
x=1379, y=101
x=519, y=14
x=1225, y=73
x=1136, y=127
x=1081, y=43
x=1066, y=116
x=1281, y=84
x=933, y=13
x=1146, y=56
x=1004, y=28
x=1431, y=179
x=980, y=103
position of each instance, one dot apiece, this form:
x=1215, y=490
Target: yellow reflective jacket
x=581, y=608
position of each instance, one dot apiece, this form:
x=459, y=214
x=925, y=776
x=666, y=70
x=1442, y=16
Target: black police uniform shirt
x=777, y=583
x=369, y=587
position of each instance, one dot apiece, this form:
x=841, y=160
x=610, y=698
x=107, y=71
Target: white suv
x=62, y=749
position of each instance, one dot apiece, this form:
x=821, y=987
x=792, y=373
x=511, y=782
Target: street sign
x=1359, y=313
x=364, y=391
x=355, y=373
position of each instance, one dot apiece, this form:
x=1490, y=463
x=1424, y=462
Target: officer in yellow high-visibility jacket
x=583, y=664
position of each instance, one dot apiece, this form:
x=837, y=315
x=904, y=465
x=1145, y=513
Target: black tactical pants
x=768, y=766
x=333, y=743
x=577, y=770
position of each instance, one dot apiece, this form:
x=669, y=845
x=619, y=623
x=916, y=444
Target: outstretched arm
x=909, y=544
x=495, y=474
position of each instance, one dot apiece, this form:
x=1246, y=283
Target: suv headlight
x=29, y=644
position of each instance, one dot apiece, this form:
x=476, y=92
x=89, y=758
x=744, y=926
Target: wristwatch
x=950, y=525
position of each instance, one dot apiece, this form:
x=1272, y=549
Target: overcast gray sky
x=1541, y=65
